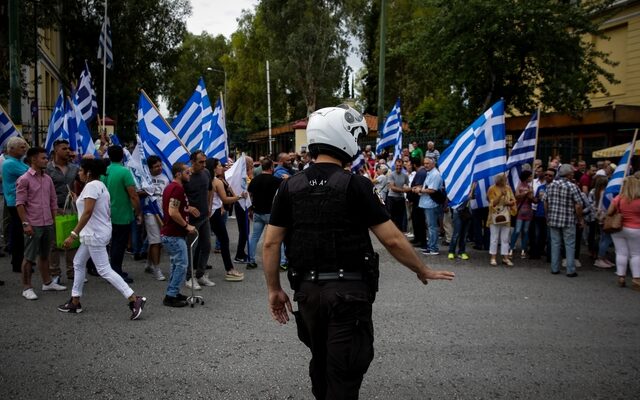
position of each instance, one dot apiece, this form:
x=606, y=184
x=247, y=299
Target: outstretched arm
x=400, y=248
x=279, y=302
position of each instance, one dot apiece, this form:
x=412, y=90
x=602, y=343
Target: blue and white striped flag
x=157, y=137
x=56, y=129
x=217, y=143
x=523, y=151
x=137, y=163
x=476, y=155
x=105, y=45
x=194, y=121
x=85, y=96
x=7, y=128
x=392, y=132
x=83, y=134
x=358, y=162
x=615, y=183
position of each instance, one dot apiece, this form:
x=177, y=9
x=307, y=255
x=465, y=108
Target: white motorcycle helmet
x=335, y=131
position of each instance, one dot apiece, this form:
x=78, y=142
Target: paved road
x=492, y=333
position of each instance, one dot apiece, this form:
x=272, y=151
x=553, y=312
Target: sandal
x=507, y=262
x=493, y=263
x=635, y=284
x=621, y=281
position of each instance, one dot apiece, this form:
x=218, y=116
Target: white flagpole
x=226, y=134
x=269, y=108
x=165, y=121
x=104, y=70
x=535, y=148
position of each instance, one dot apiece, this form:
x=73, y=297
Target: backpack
x=439, y=196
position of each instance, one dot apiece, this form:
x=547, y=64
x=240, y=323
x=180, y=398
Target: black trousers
x=119, y=239
x=17, y=239
x=538, y=237
x=334, y=321
x=243, y=231
x=397, y=209
x=419, y=225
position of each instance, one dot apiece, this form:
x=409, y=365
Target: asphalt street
x=493, y=333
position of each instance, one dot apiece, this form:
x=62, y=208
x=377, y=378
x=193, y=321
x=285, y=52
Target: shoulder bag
x=613, y=223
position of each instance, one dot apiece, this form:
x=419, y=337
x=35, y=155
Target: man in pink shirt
x=37, y=204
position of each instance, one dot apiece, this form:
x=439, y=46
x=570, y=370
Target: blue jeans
x=558, y=235
x=605, y=243
x=459, y=235
x=260, y=221
x=432, y=215
x=521, y=227
x=177, y=249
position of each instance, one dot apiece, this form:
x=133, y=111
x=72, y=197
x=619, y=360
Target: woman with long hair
x=94, y=231
x=501, y=200
x=222, y=196
x=626, y=241
x=604, y=242
x=524, y=200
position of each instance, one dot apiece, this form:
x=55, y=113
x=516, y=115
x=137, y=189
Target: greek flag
x=194, y=121
x=392, y=132
x=157, y=137
x=76, y=130
x=56, y=129
x=523, y=152
x=85, y=97
x=476, y=155
x=217, y=143
x=358, y=162
x=105, y=45
x=7, y=128
x=615, y=183
x=137, y=163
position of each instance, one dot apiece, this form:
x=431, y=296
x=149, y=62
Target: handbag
x=613, y=223
x=501, y=215
x=66, y=222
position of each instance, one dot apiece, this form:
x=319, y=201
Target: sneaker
x=600, y=263
x=192, y=284
x=564, y=263
x=234, y=276
x=136, y=307
x=572, y=275
x=205, y=281
x=510, y=253
x=463, y=256
x=252, y=265
x=432, y=253
x=56, y=279
x=523, y=254
x=157, y=273
x=148, y=269
x=53, y=287
x=578, y=264
x=493, y=263
x=29, y=294
x=240, y=260
x=171, y=301
x=506, y=261
x=451, y=256
x=181, y=296
x=284, y=267
x=606, y=261
x=71, y=308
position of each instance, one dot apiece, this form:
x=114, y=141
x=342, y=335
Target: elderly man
x=563, y=207
x=12, y=169
x=433, y=183
x=432, y=152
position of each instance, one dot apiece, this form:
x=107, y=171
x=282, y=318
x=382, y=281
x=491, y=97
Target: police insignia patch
x=378, y=195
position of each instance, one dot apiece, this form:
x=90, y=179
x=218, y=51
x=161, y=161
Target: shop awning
x=615, y=151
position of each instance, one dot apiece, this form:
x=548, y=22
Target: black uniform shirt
x=363, y=201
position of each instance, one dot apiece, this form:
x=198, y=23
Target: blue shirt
x=280, y=171
x=12, y=169
x=433, y=181
x=539, y=211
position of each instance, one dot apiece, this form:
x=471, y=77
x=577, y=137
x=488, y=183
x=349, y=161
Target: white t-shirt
x=97, y=232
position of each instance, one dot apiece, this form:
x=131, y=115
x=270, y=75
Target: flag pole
x=104, y=70
x=632, y=153
x=535, y=148
x=165, y=121
x=226, y=136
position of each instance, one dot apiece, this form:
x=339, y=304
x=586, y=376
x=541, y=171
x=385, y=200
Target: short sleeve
x=91, y=191
x=366, y=202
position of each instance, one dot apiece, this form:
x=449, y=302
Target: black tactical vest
x=325, y=237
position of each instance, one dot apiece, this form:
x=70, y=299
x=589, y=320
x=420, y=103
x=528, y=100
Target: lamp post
x=225, y=82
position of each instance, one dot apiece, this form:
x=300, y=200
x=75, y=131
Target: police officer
x=323, y=215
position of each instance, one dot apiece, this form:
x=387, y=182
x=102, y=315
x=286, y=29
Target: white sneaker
x=29, y=294
x=205, y=281
x=578, y=263
x=53, y=287
x=157, y=273
x=192, y=283
x=564, y=263
x=601, y=264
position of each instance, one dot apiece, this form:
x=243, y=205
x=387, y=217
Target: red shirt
x=171, y=228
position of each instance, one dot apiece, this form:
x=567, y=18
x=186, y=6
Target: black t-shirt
x=197, y=190
x=263, y=188
x=363, y=201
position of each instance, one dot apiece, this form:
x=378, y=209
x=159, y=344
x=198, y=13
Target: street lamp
x=225, y=82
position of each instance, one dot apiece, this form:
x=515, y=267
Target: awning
x=615, y=151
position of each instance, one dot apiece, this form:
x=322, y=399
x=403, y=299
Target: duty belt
x=339, y=275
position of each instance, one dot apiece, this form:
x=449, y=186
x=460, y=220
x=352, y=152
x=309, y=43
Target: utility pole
x=383, y=49
x=14, y=62
x=36, y=113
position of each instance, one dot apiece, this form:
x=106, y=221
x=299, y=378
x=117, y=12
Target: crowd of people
x=551, y=213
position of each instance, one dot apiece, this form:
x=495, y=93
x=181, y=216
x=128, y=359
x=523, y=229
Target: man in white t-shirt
x=152, y=219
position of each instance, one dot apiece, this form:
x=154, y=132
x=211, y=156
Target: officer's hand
x=427, y=274
x=279, y=303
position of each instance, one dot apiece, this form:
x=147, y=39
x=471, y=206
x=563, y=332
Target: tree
x=451, y=59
